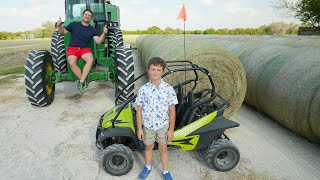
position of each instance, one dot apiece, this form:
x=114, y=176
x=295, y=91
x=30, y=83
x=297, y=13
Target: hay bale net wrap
x=254, y=62
x=286, y=87
x=283, y=78
x=226, y=70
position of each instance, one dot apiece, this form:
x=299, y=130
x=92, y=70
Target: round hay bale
x=286, y=89
x=225, y=69
x=254, y=62
x=283, y=78
x=315, y=113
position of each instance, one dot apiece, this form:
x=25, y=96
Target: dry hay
x=225, y=69
x=131, y=39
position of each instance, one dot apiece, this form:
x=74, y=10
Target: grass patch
x=12, y=70
x=8, y=79
x=131, y=39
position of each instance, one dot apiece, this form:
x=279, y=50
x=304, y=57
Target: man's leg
x=88, y=58
x=73, y=64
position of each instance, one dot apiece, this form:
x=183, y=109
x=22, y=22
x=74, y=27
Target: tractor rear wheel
x=222, y=155
x=125, y=71
x=39, y=91
x=58, y=52
x=117, y=159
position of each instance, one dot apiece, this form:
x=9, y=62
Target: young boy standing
x=156, y=111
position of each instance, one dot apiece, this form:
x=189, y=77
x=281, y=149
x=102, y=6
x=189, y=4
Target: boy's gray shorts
x=159, y=135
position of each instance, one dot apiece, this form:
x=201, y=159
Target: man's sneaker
x=167, y=176
x=84, y=86
x=144, y=174
x=79, y=86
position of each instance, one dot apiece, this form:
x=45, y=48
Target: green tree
x=154, y=30
x=209, y=31
x=47, y=29
x=308, y=11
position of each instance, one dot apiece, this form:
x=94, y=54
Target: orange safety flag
x=182, y=14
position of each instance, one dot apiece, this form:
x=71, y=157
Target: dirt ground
x=58, y=141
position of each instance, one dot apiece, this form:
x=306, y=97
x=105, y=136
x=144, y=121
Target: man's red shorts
x=78, y=52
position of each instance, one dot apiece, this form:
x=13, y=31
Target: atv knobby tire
x=117, y=159
x=58, y=52
x=222, y=155
x=125, y=71
x=39, y=92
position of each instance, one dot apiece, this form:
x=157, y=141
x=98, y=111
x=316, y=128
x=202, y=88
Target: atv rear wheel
x=58, y=52
x=39, y=91
x=118, y=159
x=222, y=155
x=125, y=71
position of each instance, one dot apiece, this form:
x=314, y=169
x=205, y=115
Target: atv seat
x=186, y=112
x=180, y=99
x=195, y=102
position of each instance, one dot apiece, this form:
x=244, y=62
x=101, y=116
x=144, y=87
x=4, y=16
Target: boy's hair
x=157, y=61
x=88, y=11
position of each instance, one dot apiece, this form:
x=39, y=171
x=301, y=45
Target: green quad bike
x=113, y=60
x=200, y=125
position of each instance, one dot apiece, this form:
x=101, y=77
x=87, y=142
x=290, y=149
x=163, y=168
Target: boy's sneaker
x=167, y=176
x=144, y=174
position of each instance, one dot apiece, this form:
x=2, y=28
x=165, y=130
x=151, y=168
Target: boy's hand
x=140, y=134
x=169, y=135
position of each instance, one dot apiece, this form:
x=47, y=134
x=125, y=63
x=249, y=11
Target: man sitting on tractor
x=81, y=34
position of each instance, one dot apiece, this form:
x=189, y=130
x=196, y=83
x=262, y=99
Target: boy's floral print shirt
x=155, y=103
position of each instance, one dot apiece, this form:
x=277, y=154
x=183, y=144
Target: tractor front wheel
x=39, y=91
x=125, y=71
x=222, y=155
x=58, y=52
x=118, y=159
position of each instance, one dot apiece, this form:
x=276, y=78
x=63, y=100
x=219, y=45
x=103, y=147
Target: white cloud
x=208, y=2
x=232, y=7
x=138, y=2
x=8, y=12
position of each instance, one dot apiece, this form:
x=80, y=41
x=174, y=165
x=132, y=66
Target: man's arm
x=61, y=29
x=139, y=122
x=100, y=39
x=172, y=119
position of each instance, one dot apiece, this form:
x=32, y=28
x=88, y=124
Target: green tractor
x=113, y=60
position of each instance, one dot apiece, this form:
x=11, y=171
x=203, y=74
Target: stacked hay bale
x=226, y=70
x=283, y=76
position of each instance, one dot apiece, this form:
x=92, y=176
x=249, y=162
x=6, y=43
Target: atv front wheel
x=39, y=91
x=222, y=155
x=118, y=159
x=125, y=71
x=58, y=52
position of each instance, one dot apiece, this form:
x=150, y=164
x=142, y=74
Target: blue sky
x=20, y=15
